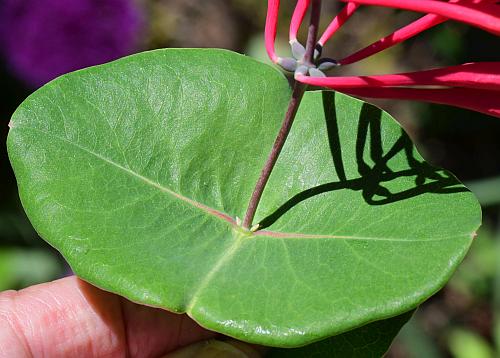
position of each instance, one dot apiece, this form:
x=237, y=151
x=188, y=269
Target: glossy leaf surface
x=371, y=340
x=136, y=171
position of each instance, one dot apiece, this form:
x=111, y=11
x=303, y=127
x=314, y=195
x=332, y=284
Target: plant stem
x=293, y=106
x=312, y=32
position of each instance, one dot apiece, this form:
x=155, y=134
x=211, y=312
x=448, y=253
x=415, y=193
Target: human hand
x=71, y=318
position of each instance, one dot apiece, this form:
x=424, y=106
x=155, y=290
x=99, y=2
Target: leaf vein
x=208, y=210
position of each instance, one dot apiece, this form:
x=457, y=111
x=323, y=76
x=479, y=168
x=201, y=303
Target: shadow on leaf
x=371, y=340
x=373, y=178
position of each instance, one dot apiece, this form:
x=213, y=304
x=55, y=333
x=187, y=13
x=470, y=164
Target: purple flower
x=44, y=39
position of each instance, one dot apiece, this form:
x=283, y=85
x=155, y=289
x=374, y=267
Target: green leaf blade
x=137, y=170
x=370, y=341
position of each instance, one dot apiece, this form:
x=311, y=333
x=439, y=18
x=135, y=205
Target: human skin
x=71, y=318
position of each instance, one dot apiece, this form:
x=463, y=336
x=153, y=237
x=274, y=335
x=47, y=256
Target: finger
x=69, y=317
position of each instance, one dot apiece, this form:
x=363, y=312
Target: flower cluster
x=474, y=86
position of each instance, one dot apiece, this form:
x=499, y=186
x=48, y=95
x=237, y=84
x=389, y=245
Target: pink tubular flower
x=483, y=101
x=481, y=75
x=297, y=17
x=474, y=86
x=484, y=14
x=338, y=21
x=403, y=34
x=273, y=7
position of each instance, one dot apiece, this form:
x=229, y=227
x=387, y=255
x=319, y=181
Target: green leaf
x=371, y=340
x=136, y=171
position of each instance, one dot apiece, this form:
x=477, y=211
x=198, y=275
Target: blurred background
x=40, y=40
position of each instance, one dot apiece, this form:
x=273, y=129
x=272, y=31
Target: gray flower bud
x=314, y=72
x=302, y=70
x=287, y=63
x=327, y=64
x=298, y=51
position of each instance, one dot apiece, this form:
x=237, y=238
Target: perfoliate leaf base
x=136, y=171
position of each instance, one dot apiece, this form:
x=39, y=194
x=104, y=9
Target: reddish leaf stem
x=298, y=92
x=293, y=106
x=312, y=33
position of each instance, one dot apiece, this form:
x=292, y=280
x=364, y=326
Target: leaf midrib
x=219, y=214
x=208, y=210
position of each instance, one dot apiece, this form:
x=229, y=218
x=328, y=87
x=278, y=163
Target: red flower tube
x=403, y=34
x=474, y=86
x=484, y=101
x=484, y=14
x=481, y=75
x=270, y=30
x=297, y=18
x=338, y=21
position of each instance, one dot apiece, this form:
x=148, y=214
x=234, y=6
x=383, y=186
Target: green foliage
x=371, y=340
x=137, y=170
x=466, y=344
x=21, y=267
